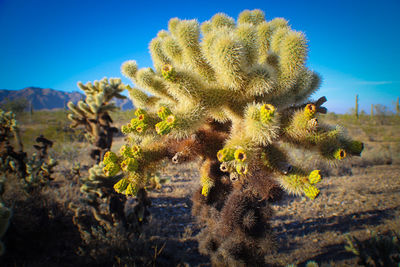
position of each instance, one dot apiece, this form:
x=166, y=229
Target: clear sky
x=354, y=44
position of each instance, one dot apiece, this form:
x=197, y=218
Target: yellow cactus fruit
x=226, y=154
x=168, y=72
x=136, y=151
x=314, y=177
x=163, y=112
x=267, y=112
x=121, y=185
x=242, y=168
x=207, y=184
x=240, y=155
x=171, y=120
x=139, y=112
x=126, y=129
x=111, y=169
x=131, y=190
x=110, y=157
x=163, y=128
x=125, y=151
x=310, y=110
x=130, y=165
x=311, y=191
x=141, y=127
x=340, y=154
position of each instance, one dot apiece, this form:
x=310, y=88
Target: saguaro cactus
x=356, y=107
x=398, y=107
x=92, y=113
x=230, y=93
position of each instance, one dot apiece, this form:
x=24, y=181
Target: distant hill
x=46, y=98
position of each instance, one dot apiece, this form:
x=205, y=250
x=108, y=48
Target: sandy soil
x=368, y=200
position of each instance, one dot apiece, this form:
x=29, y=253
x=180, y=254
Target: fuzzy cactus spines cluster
x=93, y=113
x=235, y=94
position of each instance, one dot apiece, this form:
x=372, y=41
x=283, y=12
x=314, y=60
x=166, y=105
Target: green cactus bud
x=226, y=154
x=110, y=157
x=121, y=185
x=267, y=112
x=111, y=169
x=130, y=165
x=168, y=72
x=314, y=177
x=164, y=112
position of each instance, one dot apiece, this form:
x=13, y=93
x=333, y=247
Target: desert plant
x=356, y=107
x=379, y=250
x=5, y=214
x=231, y=99
x=93, y=113
x=398, y=107
x=17, y=105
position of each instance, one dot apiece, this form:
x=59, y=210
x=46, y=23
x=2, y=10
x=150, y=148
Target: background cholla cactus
x=39, y=167
x=93, y=113
x=11, y=160
x=233, y=93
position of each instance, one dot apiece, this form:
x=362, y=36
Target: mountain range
x=46, y=98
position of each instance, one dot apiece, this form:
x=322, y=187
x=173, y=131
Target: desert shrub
x=17, y=105
x=232, y=99
x=377, y=251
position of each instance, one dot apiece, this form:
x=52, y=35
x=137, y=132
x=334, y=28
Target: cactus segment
x=207, y=183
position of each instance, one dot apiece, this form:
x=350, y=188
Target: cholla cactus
x=230, y=93
x=106, y=205
x=39, y=167
x=11, y=160
x=92, y=113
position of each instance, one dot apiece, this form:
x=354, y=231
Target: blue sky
x=353, y=44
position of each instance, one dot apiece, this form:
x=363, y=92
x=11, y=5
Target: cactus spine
x=230, y=98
